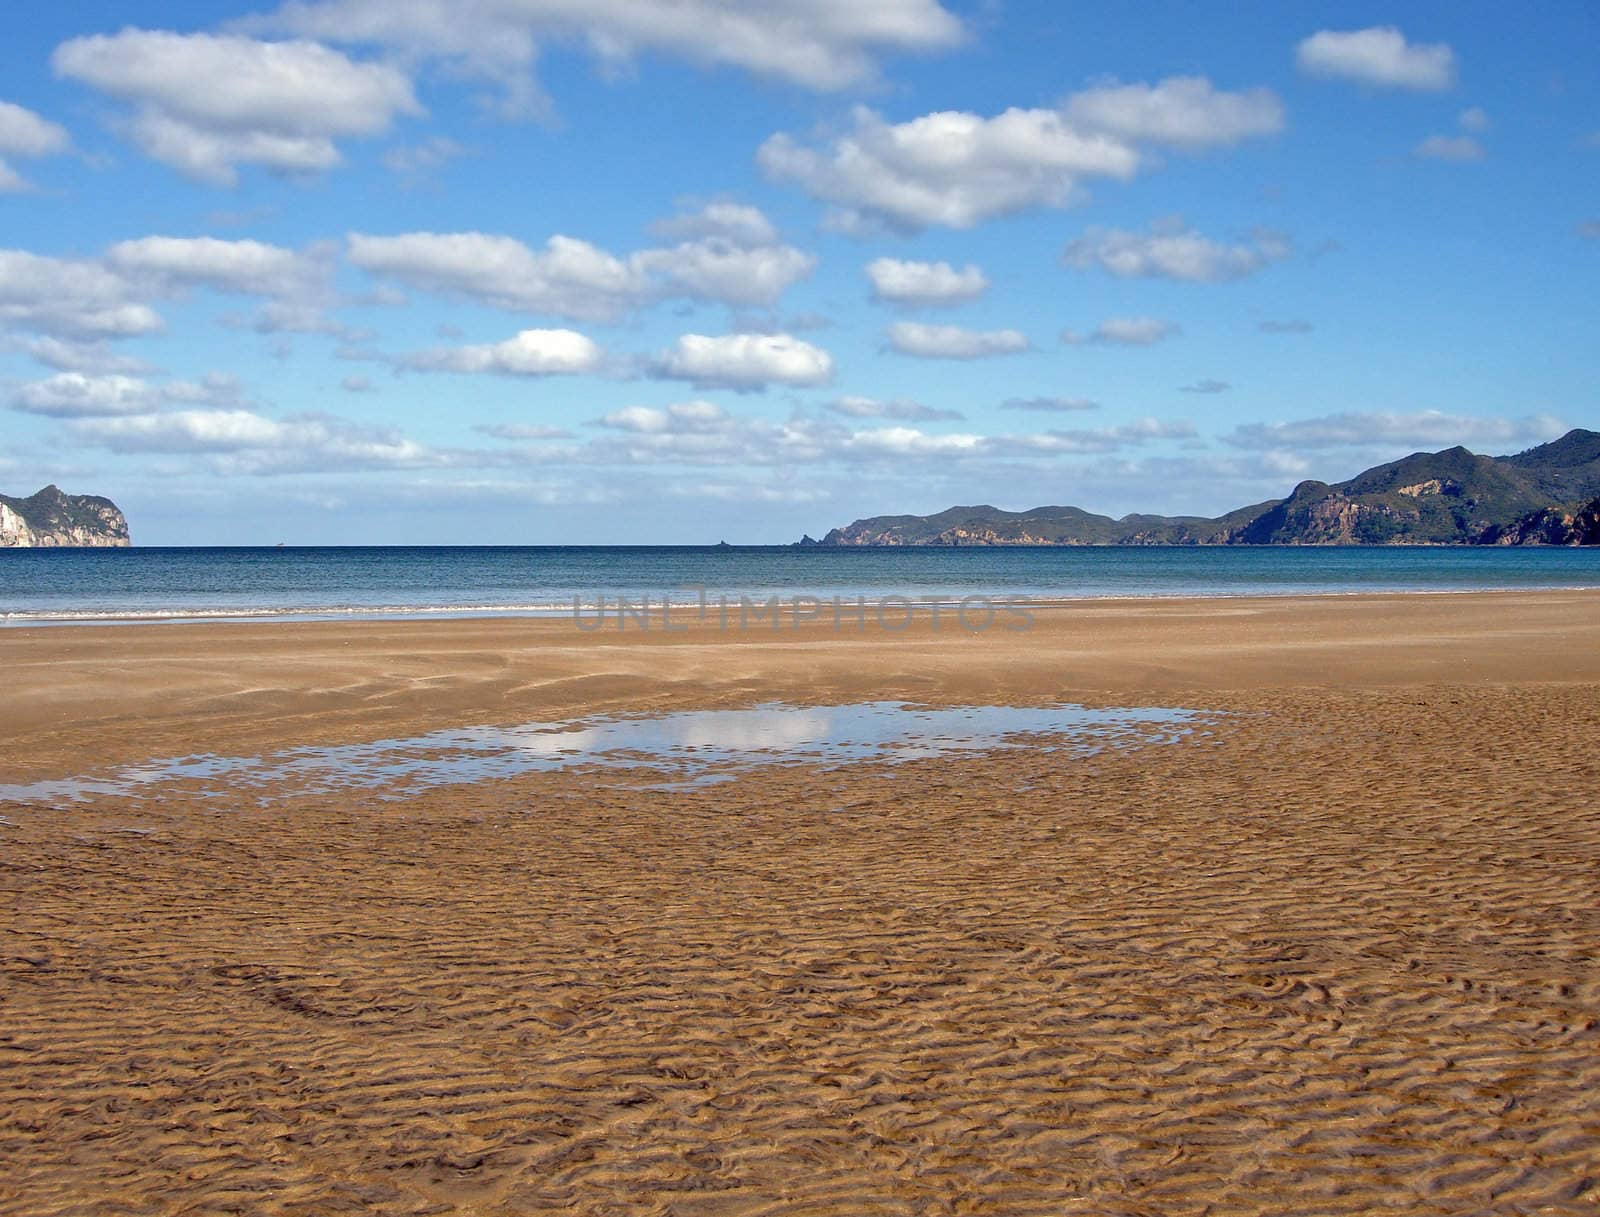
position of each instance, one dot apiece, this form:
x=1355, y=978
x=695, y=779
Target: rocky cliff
x=1553, y=526
x=1454, y=497
x=53, y=518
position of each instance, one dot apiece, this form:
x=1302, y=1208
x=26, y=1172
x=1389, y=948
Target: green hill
x=1453, y=497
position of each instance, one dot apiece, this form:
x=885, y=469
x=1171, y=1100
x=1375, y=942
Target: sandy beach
x=1334, y=951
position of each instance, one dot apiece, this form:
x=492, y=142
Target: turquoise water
x=43, y=585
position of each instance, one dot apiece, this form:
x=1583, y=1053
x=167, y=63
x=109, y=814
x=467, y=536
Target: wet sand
x=1335, y=951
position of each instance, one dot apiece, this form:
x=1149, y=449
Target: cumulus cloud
x=1182, y=111
x=1205, y=386
x=1049, y=405
x=82, y=300
x=246, y=441
x=26, y=134
x=679, y=417
x=957, y=169
x=1171, y=250
x=1124, y=331
x=744, y=362
x=905, y=411
x=722, y=219
x=733, y=258
x=924, y=284
x=1378, y=55
x=954, y=341
x=1450, y=148
x=70, y=298
x=529, y=353
x=819, y=44
x=1291, y=326
x=246, y=267
x=95, y=356
x=1423, y=429
x=567, y=278
x=79, y=395
x=1474, y=118
x=208, y=103
x=949, y=168
x=357, y=384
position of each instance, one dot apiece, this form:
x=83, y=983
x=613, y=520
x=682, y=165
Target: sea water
x=153, y=584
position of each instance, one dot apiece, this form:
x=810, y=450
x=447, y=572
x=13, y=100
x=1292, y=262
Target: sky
x=680, y=271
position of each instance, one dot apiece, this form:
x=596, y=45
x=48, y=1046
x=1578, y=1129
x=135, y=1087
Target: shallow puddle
x=689, y=747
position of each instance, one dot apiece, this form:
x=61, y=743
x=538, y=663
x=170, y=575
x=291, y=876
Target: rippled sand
x=1337, y=951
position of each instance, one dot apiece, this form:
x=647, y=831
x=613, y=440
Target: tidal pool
x=683, y=748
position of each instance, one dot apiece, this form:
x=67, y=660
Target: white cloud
x=1292, y=326
x=954, y=341
x=1474, y=119
x=357, y=384
x=925, y=284
x=1124, y=331
x=1182, y=111
x=744, y=362
x=949, y=168
x=905, y=411
x=714, y=268
x=1379, y=55
x=252, y=268
x=69, y=298
x=1170, y=250
x=94, y=356
x=908, y=441
x=1205, y=386
x=958, y=169
x=73, y=394
x=530, y=353
x=734, y=260
x=1450, y=148
x=680, y=417
x=244, y=441
x=820, y=44
x=1049, y=405
x=1589, y=229
x=1095, y=440
x=1423, y=429
x=736, y=222
x=24, y=133
x=568, y=278
x=207, y=103
x=78, y=395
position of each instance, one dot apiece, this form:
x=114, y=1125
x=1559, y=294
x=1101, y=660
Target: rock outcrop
x=52, y=518
x=1553, y=526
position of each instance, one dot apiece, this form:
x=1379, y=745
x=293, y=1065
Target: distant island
x=1549, y=495
x=55, y=519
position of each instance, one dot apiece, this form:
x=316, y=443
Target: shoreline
x=552, y=611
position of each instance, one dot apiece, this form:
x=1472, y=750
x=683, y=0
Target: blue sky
x=638, y=271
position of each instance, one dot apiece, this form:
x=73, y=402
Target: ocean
x=150, y=584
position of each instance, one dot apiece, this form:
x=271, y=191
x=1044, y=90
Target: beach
x=1332, y=949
